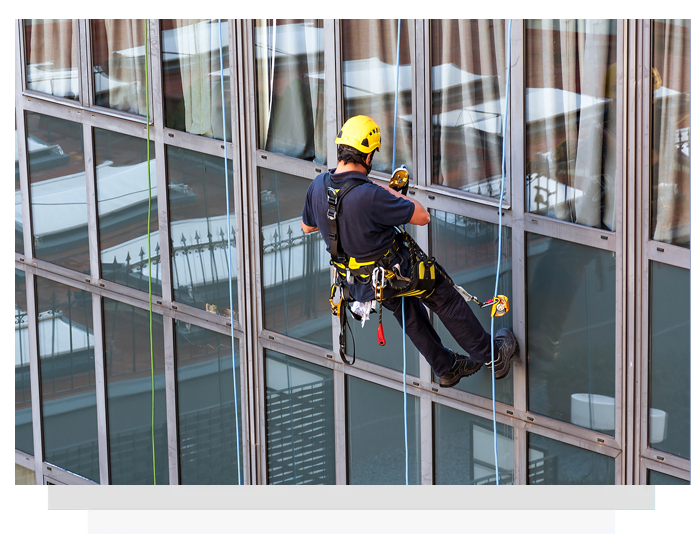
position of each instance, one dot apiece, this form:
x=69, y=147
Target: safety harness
x=383, y=271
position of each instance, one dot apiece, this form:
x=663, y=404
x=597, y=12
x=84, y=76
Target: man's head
x=358, y=140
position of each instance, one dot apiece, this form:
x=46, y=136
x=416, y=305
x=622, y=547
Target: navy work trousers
x=455, y=314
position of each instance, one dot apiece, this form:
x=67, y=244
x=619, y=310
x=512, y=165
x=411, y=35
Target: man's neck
x=349, y=167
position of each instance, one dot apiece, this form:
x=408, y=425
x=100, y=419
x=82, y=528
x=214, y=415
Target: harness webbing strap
x=335, y=196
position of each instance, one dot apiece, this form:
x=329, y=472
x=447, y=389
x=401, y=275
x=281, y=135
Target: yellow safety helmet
x=360, y=132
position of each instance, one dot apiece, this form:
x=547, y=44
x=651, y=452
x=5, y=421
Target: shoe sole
x=450, y=385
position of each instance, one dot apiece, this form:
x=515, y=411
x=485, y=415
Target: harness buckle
x=332, y=214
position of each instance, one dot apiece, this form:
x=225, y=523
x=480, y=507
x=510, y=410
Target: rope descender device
x=399, y=180
x=499, y=305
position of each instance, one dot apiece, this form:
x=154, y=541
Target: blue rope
x=498, y=268
x=230, y=265
x=403, y=299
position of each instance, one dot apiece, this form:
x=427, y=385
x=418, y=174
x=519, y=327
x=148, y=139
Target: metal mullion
x=665, y=253
x=48, y=106
x=485, y=413
x=240, y=198
x=249, y=142
x=201, y=144
x=20, y=57
x=91, y=194
x=568, y=231
x=209, y=317
x=665, y=458
x=426, y=439
x=101, y=389
x=62, y=476
x=574, y=441
x=21, y=140
x=341, y=475
x=381, y=381
x=156, y=91
x=287, y=165
x=24, y=460
x=460, y=206
x=649, y=465
x=417, y=94
x=171, y=401
x=518, y=244
x=34, y=376
x=85, y=65
x=422, y=109
x=589, y=435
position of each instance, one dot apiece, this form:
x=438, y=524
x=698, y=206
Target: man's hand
x=308, y=229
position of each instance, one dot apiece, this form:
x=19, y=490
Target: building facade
x=596, y=250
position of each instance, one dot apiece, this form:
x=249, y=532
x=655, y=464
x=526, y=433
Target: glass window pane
x=464, y=448
x=128, y=368
x=67, y=369
x=670, y=116
x=58, y=191
x=571, y=332
x=290, y=87
x=300, y=421
x=570, y=114
x=192, y=76
x=468, y=84
x=199, y=256
x=19, y=228
x=295, y=266
x=121, y=172
x=375, y=435
x=207, y=423
x=118, y=64
x=658, y=479
x=51, y=49
x=552, y=462
x=669, y=359
x=468, y=250
x=369, y=84
x=23, y=399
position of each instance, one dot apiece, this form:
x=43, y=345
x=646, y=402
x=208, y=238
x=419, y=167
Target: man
x=366, y=228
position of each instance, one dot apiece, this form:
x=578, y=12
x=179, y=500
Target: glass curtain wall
x=51, y=53
x=570, y=114
x=468, y=88
x=191, y=60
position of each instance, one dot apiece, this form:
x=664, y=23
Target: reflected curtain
x=577, y=124
x=127, y=75
x=290, y=87
x=51, y=51
x=467, y=146
x=671, y=108
x=369, y=83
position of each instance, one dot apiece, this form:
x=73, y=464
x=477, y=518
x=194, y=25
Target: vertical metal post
x=22, y=154
x=341, y=475
x=171, y=400
x=34, y=377
x=100, y=388
x=92, y=206
x=519, y=244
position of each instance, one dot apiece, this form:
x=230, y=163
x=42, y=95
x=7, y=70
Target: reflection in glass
x=299, y=421
x=295, y=265
x=468, y=86
x=121, y=173
x=206, y=420
x=468, y=251
x=659, y=479
x=571, y=332
x=23, y=398
x=118, y=64
x=51, y=50
x=19, y=227
x=551, y=462
x=290, y=87
x=67, y=370
x=570, y=115
x=199, y=247
x=192, y=76
x=128, y=366
x=57, y=191
x=369, y=84
x=375, y=435
x=670, y=116
x=466, y=441
x=669, y=359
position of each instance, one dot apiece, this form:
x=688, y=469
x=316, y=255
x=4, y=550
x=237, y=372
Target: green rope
x=148, y=233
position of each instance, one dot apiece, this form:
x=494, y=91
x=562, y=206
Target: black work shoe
x=463, y=366
x=507, y=348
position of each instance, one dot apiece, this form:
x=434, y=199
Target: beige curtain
x=127, y=76
x=52, y=57
x=572, y=117
x=671, y=190
x=468, y=78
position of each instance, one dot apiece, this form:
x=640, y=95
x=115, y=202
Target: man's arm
x=308, y=229
x=420, y=216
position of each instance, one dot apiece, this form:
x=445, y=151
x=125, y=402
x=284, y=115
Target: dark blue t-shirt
x=369, y=214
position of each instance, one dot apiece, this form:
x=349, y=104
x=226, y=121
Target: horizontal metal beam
x=287, y=165
x=662, y=468
x=568, y=231
x=664, y=458
x=65, y=477
x=668, y=254
x=574, y=441
x=24, y=460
